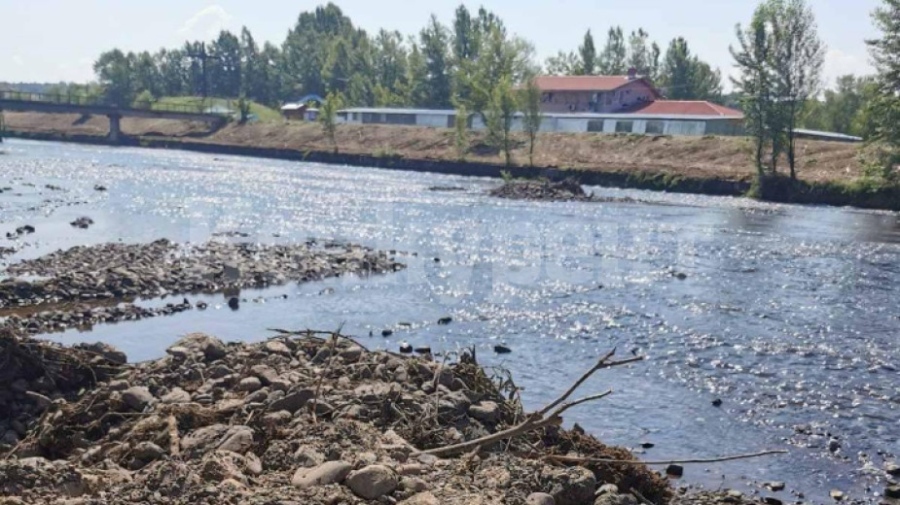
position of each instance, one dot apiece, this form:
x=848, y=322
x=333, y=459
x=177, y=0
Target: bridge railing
x=213, y=106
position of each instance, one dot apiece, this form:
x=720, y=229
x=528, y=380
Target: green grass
x=196, y=103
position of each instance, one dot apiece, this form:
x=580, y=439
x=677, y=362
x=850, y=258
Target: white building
x=639, y=123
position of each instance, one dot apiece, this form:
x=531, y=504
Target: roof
x=684, y=108
x=815, y=134
x=389, y=110
x=586, y=82
x=294, y=106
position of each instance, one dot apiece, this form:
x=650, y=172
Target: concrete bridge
x=16, y=101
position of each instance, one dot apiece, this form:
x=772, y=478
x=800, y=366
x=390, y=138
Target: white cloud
x=838, y=63
x=206, y=24
x=18, y=60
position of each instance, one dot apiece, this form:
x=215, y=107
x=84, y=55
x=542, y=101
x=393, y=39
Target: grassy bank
x=830, y=172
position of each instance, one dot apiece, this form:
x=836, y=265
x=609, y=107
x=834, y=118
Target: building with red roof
x=625, y=94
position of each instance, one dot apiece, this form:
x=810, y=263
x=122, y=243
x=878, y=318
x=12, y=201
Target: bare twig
x=328, y=362
x=566, y=406
x=540, y=418
x=577, y=461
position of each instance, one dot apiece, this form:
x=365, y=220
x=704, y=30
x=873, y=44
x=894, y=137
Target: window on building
x=624, y=126
x=655, y=127
x=595, y=125
x=407, y=119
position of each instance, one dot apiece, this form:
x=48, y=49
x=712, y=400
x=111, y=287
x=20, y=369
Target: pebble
x=332, y=472
x=675, y=471
x=137, y=398
x=539, y=499
x=372, y=482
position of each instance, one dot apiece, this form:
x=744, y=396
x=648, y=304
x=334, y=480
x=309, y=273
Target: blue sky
x=53, y=40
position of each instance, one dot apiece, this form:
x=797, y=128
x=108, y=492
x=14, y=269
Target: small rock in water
x=502, y=349
x=717, y=402
x=771, y=500
x=387, y=333
x=680, y=275
x=99, y=187
x=234, y=303
x=775, y=486
x=837, y=495
x=647, y=445
x=892, y=469
x=405, y=348
x=445, y=320
x=82, y=222
x=202, y=306
x=423, y=350
x=834, y=445
x=675, y=471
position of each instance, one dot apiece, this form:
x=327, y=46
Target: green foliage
x=883, y=111
x=780, y=58
x=685, y=77
x=507, y=176
x=144, y=100
x=842, y=109
x=588, y=54
x=499, y=118
x=613, y=58
x=328, y=116
x=461, y=137
x=530, y=101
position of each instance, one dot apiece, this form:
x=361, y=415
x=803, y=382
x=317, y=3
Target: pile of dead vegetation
x=299, y=419
x=565, y=190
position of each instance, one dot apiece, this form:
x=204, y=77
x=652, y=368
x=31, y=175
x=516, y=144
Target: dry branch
x=574, y=460
x=539, y=419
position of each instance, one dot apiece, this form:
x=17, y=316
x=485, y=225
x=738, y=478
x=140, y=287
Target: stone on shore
x=372, y=481
x=332, y=472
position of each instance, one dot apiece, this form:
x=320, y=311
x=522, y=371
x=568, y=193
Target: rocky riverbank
x=302, y=419
x=163, y=268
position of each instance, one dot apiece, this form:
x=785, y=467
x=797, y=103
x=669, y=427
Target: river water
x=787, y=314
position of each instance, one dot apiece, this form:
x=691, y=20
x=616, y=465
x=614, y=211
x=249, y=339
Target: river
x=786, y=314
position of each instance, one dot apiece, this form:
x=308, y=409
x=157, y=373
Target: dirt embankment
x=723, y=158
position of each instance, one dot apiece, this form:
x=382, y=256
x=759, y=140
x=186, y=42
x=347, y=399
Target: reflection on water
x=786, y=314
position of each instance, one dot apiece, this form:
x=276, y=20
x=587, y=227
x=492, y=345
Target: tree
x=685, y=77
x=115, y=73
x=639, y=54
x=562, y=64
x=613, y=58
x=530, y=101
x=797, y=62
x=461, y=121
x=224, y=71
x=884, y=110
x=499, y=117
x=328, y=117
x=435, y=44
x=842, y=109
x=752, y=57
x=588, y=54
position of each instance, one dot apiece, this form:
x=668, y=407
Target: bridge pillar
x=115, y=127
